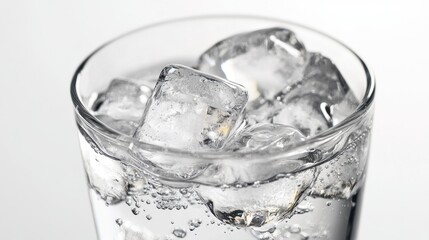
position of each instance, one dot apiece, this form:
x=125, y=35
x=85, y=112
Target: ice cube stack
x=255, y=91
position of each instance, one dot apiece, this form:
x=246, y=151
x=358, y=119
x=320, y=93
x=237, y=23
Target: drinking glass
x=174, y=193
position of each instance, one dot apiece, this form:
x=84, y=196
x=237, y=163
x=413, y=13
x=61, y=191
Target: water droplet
x=172, y=222
x=148, y=217
x=212, y=221
x=119, y=221
x=129, y=201
x=328, y=203
x=109, y=200
x=148, y=201
x=180, y=233
x=224, y=187
x=256, y=184
x=135, y=211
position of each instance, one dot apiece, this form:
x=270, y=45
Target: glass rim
x=97, y=125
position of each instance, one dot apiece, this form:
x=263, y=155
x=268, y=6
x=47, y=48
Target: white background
x=42, y=188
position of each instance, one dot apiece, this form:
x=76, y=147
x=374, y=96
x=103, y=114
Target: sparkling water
x=255, y=94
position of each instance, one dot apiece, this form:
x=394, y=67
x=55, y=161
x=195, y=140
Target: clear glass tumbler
x=312, y=190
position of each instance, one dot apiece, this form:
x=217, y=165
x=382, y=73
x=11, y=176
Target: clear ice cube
x=320, y=77
x=308, y=113
x=105, y=175
x=191, y=110
x=258, y=205
x=317, y=102
x=340, y=177
x=264, y=61
x=265, y=136
x=122, y=105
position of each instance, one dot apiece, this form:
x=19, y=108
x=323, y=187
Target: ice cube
x=341, y=177
x=105, y=175
x=263, y=112
x=344, y=108
x=318, y=101
x=191, y=110
x=259, y=204
x=264, y=61
x=122, y=105
x=265, y=136
x=309, y=113
x=320, y=77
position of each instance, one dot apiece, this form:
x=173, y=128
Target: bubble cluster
x=194, y=223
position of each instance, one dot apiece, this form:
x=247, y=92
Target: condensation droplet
x=129, y=201
x=256, y=184
x=119, y=221
x=148, y=217
x=224, y=187
x=135, y=211
x=180, y=233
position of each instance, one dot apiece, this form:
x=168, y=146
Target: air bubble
x=180, y=233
